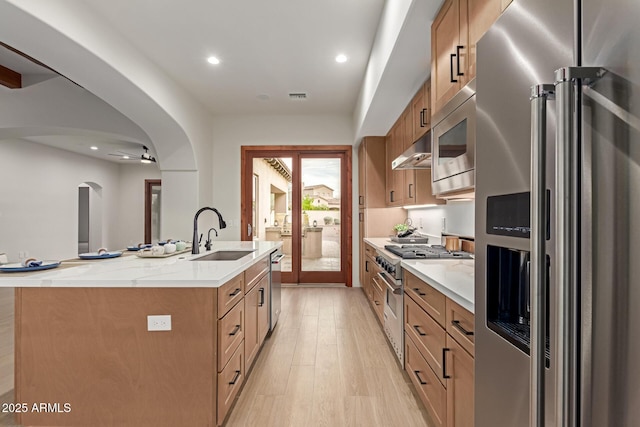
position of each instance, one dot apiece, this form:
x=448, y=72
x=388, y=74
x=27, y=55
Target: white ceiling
x=267, y=48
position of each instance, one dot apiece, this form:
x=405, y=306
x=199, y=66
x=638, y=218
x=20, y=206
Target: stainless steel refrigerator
x=558, y=216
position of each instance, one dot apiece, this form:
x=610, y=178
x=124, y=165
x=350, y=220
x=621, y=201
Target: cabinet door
x=481, y=14
x=460, y=396
x=409, y=179
x=419, y=109
x=445, y=33
x=263, y=309
x=395, y=179
x=251, y=343
x=372, y=174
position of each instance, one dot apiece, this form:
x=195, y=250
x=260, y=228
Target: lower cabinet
x=439, y=354
x=460, y=400
x=229, y=383
x=256, y=303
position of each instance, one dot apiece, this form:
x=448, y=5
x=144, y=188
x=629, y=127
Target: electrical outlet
x=159, y=323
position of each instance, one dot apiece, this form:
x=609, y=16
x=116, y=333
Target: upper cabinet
x=371, y=169
x=421, y=111
x=454, y=34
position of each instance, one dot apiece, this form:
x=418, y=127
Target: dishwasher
x=275, y=300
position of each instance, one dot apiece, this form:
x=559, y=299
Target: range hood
x=418, y=156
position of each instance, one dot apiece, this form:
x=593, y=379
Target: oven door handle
x=394, y=289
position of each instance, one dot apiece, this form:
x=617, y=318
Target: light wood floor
x=327, y=363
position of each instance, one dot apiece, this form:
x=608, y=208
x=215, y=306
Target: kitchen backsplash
x=458, y=219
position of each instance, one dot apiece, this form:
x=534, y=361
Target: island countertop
x=133, y=271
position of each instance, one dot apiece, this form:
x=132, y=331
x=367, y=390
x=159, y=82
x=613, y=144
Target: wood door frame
x=148, y=185
x=248, y=153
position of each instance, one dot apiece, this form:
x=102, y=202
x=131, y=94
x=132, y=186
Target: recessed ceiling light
x=341, y=58
x=93, y=147
x=125, y=157
x=213, y=60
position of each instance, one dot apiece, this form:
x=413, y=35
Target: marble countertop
x=133, y=271
x=453, y=277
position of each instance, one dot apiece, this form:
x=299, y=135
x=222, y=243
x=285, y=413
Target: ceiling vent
x=298, y=95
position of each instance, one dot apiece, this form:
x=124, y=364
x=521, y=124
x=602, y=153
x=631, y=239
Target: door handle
x=361, y=200
x=417, y=329
x=458, y=60
x=444, y=362
x=410, y=195
x=453, y=55
x=539, y=96
x=249, y=229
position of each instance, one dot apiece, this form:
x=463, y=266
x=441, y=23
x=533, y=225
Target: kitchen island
x=85, y=354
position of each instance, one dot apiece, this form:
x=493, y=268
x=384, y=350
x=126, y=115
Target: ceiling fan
x=144, y=157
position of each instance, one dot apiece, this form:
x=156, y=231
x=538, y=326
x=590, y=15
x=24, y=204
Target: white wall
x=233, y=131
x=39, y=199
x=459, y=219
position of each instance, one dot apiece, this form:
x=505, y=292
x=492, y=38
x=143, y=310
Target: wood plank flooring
x=327, y=363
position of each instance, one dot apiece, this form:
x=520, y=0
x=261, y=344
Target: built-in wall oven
x=390, y=274
x=454, y=143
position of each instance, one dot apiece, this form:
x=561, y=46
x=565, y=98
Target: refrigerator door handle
x=568, y=136
x=537, y=288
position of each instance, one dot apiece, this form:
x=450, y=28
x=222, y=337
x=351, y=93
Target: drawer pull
x=235, y=330
x=235, y=378
x=376, y=303
x=261, y=303
x=420, y=380
x=457, y=325
x=418, y=292
x=444, y=363
x=236, y=292
x=417, y=328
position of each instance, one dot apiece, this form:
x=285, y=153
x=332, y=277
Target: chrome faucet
x=207, y=245
x=195, y=249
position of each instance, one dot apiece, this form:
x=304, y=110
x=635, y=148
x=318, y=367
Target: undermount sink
x=223, y=256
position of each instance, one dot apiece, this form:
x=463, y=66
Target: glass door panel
x=321, y=214
x=271, y=203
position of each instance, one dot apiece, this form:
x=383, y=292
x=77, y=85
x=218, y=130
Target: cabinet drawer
x=230, y=334
x=427, y=335
x=461, y=325
x=254, y=273
x=431, y=392
x=229, y=294
x=369, y=250
x=431, y=300
x=229, y=383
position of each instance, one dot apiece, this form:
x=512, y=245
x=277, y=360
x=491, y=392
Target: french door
x=300, y=195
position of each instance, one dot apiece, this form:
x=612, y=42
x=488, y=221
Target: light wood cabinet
x=504, y=4
x=256, y=318
x=454, y=35
x=230, y=334
x=460, y=394
x=371, y=172
x=378, y=297
x=263, y=308
x=421, y=111
x=229, y=383
x=395, y=178
x=432, y=393
x=431, y=300
x=230, y=294
x=438, y=336
x=251, y=342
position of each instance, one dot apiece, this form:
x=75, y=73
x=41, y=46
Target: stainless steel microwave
x=454, y=144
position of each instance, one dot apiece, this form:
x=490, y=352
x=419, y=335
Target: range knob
x=378, y=259
x=391, y=268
